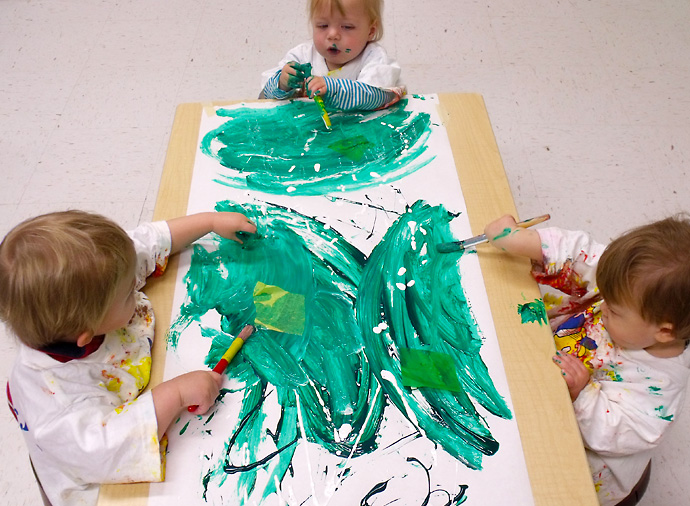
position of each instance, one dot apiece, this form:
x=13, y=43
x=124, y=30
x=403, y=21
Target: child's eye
x=321, y=26
x=348, y=27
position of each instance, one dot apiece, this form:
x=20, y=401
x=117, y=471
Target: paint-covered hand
x=316, y=85
x=575, y=373
x=505, y=234
x=228, y=225
x=291, y=77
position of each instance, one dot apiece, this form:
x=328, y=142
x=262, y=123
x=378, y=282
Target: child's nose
x=333, y=33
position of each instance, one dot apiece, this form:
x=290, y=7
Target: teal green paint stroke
x=331, y=375
x=324, y=366
x=286, y=150
x=533, y=312
x=432, y=313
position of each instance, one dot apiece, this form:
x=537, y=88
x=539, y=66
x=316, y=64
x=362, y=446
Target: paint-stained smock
x=370, y=81
x=84, y=420
x=632, y=397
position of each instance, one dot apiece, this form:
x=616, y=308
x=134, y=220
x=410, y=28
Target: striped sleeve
x=347, y=95
x=272, y=90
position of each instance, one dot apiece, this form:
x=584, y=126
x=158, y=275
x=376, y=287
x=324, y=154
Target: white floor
x=589, y=101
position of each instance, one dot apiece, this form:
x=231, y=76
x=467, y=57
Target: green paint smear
x=506, y=231
x=662, y=410
x=533, y=312
x=424, y=368
x=335, y=373
x=286, y=150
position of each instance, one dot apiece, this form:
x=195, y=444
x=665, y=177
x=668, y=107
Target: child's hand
x=291, y=78
x=575, y=373
x=228, y=224
x=500, y=228
x=506, y=235
x=199, y=388
x=316, y=85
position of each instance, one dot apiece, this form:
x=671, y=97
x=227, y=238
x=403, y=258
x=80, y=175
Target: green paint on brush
x=533, y=312
x=358, y=313
x=285, y=149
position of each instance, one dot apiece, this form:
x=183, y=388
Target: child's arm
x=347, y=95
x=197, y=388
x=187, y=229
x=505, y=235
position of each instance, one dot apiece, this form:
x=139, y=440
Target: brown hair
x=373, y=8
x=59, y=273
x=648, y=269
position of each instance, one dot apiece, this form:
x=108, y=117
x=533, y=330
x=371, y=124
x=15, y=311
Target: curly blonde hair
x=59, y=273
x=373, y=8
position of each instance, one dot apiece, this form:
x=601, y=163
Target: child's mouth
x=333, y=50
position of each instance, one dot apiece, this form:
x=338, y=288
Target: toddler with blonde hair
x=70, y=292
x=343, y=63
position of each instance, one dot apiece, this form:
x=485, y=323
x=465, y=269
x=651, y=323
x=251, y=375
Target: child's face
x=122, y=308
x=627, y=328
x=340, y=38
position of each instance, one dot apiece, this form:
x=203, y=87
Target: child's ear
x=665, y=333
x=84, y=338
x=372, y=30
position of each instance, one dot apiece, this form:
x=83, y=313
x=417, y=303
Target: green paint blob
x=344, y=368
x=424, y=368
x=286, y=150
x=533, y=312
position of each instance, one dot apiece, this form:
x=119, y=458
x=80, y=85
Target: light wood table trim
x=551, y=443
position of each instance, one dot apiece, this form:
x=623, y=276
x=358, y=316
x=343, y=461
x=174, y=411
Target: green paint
x=420, y=97
x=432, y=313
x=302, y=71
x=285, y=149
x=353, y=148
x=533, y=312
x=654, y=390
x=184, y=429
x=506, y=231
x=425, y=368
x=335, y=373
x=661, y=410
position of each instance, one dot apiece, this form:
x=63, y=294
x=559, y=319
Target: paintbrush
x=324, y=113
x=449, y=247
x=227, y=357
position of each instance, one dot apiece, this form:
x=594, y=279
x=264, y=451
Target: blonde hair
x=648, y=269
x=373, y=8
x=59, y=273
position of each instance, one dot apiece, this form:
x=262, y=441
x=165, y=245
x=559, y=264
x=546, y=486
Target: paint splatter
x=344, y=369
x=533, y=312
x=275, y=150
